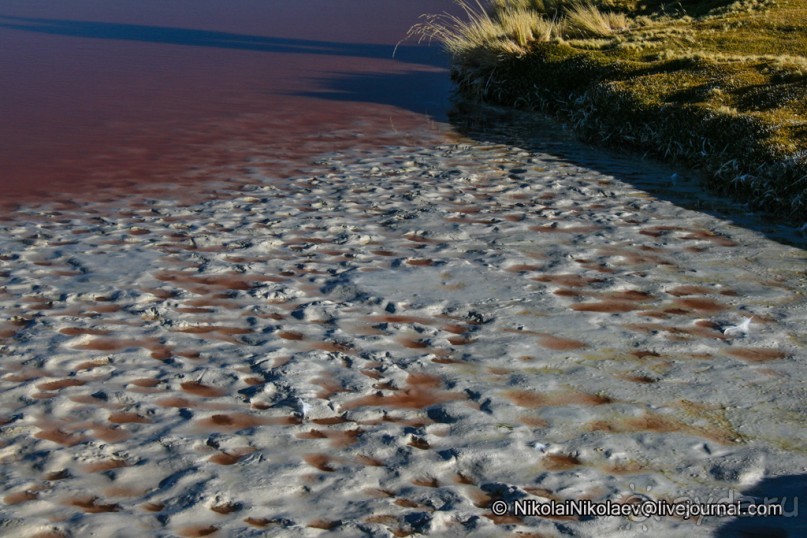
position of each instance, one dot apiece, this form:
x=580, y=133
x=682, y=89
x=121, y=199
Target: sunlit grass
x=485, y=34
x=511, y=26
x=586, y=20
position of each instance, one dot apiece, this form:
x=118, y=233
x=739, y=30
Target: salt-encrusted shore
x=386, y=344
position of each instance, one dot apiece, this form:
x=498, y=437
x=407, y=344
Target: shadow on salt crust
x=791, y=492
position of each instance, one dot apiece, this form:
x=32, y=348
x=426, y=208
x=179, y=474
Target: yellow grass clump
x=509, y=30
x=585, y=20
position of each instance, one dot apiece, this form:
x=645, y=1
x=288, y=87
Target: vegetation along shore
x=719, y=86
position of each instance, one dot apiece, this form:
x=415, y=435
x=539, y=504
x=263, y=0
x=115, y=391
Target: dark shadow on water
x=537, y=133
x=422, y=92
x=789, y=491
x=221, y=40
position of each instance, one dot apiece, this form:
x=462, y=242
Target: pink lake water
x=117, y=95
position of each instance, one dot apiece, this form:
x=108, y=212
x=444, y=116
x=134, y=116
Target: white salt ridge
x=739, y=330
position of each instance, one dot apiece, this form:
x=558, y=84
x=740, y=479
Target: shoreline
x=746, y=168
x=691, y=87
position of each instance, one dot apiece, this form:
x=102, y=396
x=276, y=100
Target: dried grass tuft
x=485, y=35
x=586, y=20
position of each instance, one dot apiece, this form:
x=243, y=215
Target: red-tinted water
x=121, y=94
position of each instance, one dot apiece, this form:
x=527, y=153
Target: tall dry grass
x=504, y=29
x=486, y=31
x=525, y=26
x=547, y=7
x=586, y=20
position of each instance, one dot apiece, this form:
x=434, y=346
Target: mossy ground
x=718, y=86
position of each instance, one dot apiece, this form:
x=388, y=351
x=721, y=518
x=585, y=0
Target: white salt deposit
x=390, y=343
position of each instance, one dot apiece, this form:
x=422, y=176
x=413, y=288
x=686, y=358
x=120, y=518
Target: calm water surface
x=121, y=94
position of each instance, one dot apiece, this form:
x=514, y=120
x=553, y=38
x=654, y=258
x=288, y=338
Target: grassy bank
x=716, y=85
